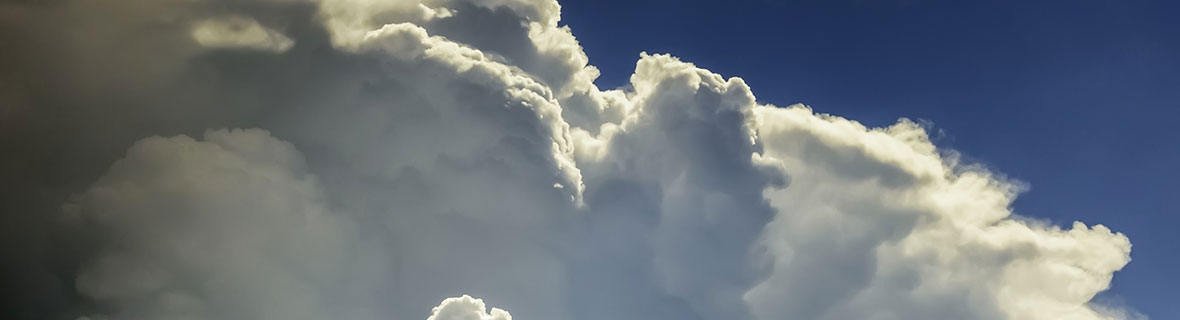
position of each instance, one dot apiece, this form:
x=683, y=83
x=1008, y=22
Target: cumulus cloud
x=228, y=226
x=467, y=308
x=872, y=213
x=393, y=154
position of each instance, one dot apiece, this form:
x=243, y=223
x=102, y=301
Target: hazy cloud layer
x=364, y=159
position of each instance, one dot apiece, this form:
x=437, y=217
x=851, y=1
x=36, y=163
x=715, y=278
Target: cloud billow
x=362, y=159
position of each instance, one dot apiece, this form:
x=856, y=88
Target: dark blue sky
x=1079, y=98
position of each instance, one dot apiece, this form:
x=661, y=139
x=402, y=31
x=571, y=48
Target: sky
x=529, y=159
x=1080, y=100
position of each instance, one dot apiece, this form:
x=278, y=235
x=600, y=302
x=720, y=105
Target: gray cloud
x=394, y=154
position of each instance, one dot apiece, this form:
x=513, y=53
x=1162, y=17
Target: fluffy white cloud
x=874, y=223
x=878, y=225
x=440, y=147
x=467, y=308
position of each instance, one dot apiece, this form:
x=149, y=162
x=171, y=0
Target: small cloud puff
x=239, y=32
x=466, y=308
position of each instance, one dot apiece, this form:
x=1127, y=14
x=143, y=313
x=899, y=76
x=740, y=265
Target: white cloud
x=435, y=148
x=466, y=308
x=876, y=225
x=239, y=32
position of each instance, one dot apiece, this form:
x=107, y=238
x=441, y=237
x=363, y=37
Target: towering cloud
x=363, y=159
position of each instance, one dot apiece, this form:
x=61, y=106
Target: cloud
x=466, y=308
x=239, y=32
x=228, y=226
x=877, y=224
x=393, y=154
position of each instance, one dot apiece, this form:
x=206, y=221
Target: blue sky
x=1080, y=100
